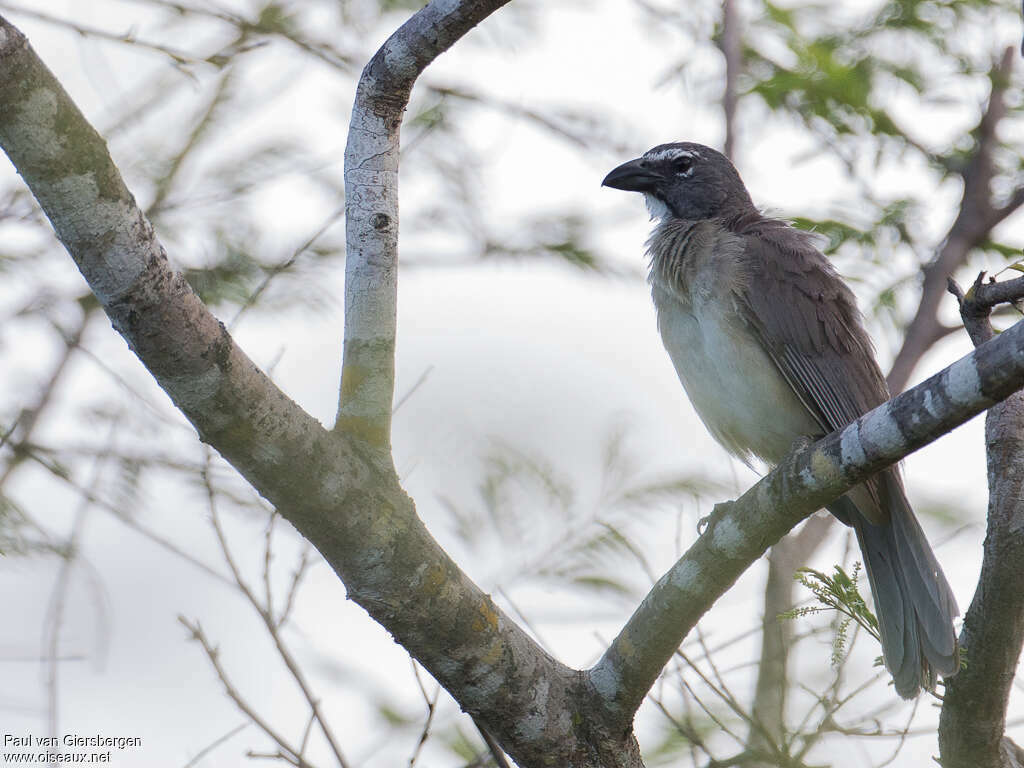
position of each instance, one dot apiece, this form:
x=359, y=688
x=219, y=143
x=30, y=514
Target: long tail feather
x=913, y=601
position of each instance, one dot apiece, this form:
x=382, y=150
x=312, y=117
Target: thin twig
x=268, y=541
x=29, y=417
x=297, y=576
x=497, y=754
x=214, y=744
x=121, y=517
x=268, y=619
x=285, y=265
x=178, y=56
x=196, y=631
x=431, y=702
x=165, y=184
x=58, y=597
x=977, y=304
x=412, y=389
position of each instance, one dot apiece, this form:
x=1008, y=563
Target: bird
x=768, y=343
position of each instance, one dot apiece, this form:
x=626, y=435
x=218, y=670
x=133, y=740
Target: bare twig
x=268, y=556
x=196, y=631
x=431, y=701
x=977, y=304
x=265, y=613
x=214, y=744
x=179, y=57
x=293, y=588
x=58, y=596
x=29, y=417
x=412, y=390
x=118, y=514
x=285, y=265
x=497, y=753
x=165, y=184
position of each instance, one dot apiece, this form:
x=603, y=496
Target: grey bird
x=769, y=346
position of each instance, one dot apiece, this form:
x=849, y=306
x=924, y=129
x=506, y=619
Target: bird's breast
x=734, y=386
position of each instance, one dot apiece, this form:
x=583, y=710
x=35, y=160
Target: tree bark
x=973, y=720
x=339, y=488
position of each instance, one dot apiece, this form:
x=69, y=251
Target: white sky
x=541, y=353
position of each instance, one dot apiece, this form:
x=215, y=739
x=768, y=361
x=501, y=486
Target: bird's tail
x=913, y=601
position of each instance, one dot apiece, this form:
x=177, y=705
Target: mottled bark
x=973, y=721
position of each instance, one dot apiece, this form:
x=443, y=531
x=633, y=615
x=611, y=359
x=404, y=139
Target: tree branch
x=768, y=709
x=973, y=720
x=196, y=632
x=371, y=209
x=730, y=43
x=975, y=220
x=808, y=479
x=339, y=489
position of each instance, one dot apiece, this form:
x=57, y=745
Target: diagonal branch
x=807, y=480
x=339, y=489
x=975, y=220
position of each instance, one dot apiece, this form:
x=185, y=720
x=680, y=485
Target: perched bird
x=769, y=345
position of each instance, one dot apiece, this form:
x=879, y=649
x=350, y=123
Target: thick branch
x=371, y=209
x=340, y=492
x=807, y=480
x=974, y=711
x=975, y=220
x=973, y=717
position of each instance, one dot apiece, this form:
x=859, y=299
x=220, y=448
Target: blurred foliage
x=845, y=76
x=563, y=539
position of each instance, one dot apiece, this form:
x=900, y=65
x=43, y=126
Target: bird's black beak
x=633, y=176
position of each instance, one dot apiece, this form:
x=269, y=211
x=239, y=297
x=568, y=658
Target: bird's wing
x=807, y=321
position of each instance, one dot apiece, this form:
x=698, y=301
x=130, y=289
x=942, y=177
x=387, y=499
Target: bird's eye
x=683, y=165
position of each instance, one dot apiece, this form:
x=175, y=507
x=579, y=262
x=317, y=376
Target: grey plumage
x=769, y=345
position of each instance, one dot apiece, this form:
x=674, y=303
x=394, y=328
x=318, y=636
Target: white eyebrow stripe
x=673, y=153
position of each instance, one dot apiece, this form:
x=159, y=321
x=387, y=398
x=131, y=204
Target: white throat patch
x=655, y=207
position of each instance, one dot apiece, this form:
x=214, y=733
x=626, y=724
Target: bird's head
x=683, y=180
